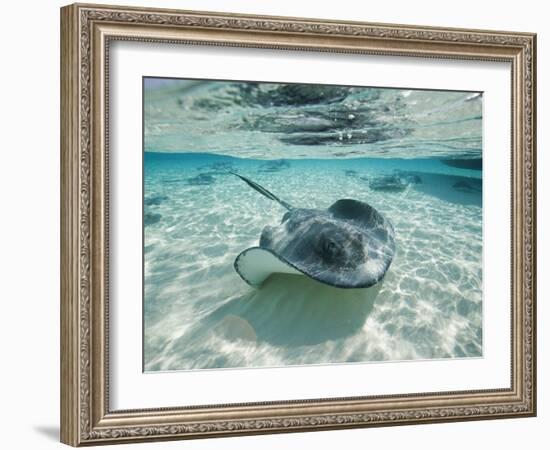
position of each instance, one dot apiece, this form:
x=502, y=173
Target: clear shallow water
x=198, y=312
x=304, y=147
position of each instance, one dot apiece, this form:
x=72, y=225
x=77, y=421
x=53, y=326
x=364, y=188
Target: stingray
x=201, y=179
x=407, y=177
x=151, y=218
x=350, y=173
x=464, y=186
x=274, y=166
x=387, y=183
x=348, y=245
x=155, y=200
x=412, y=178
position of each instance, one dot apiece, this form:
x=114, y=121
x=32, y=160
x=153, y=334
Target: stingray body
x=464, y=186
x=348, y=245
x=388, y=183
x=202, y=179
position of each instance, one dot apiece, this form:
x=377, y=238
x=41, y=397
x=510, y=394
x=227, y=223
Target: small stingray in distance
x=464, y=186
x=201, y=180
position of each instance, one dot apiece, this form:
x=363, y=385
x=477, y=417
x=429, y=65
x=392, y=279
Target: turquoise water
x=303, y=146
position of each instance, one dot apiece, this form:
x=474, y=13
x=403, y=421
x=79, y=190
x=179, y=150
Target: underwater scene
x=296, y=224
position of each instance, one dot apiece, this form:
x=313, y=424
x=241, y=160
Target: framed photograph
x=277, y=224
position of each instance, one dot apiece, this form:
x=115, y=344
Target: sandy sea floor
x=199, y=314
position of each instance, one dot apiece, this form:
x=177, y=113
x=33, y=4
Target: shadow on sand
x=291, y=310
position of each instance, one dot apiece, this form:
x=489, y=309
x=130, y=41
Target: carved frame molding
x=86, y=32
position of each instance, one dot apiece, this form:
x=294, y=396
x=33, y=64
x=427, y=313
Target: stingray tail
x=263, y=191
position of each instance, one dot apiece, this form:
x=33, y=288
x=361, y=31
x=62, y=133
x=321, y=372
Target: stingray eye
x=330, y=248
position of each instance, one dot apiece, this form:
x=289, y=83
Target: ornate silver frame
x=86, y=32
